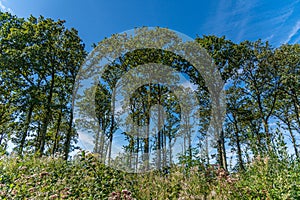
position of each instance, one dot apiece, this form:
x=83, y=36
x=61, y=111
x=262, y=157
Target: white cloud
x=281, y=16
x=268, y=38
x=293, y=32
x=246, y=19
x=3, y=8
x=282, y=23
x=231, y=15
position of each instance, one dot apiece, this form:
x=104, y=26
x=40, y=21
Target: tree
x=225, y=57
x=40, y=58
x=287, y=106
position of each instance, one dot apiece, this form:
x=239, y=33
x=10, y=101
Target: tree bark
x=26, y=128
x=54, y=150
x=67, y=144
x=48, y=114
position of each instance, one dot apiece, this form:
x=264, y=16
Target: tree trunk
x=238, y=145
x=164, y=148
x=159, y=138
x=55, y=145
x=47, y=117
x=206, y=150
x=239, y=151
x=170, y=149
x=26, y=128
x=293, y=140
x=146, y=143
x=67, y=144
x=222, y=151
x=268, y=136
x=112, y=127
x=101, y=146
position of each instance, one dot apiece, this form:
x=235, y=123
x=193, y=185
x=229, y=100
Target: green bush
x=85, y=177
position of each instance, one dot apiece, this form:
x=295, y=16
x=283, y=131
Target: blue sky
x=274, y=20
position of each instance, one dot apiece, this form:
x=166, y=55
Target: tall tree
x=40, y=58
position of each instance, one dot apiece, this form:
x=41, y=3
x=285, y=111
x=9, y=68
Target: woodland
x=255, y=156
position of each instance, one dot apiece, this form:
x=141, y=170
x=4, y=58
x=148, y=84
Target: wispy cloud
x=250, y=20
x=293, y=32
x=278, y=21
x=3, y=8
x=231, y=16
x=283, y=22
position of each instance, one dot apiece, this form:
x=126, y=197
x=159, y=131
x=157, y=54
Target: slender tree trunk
x=206, y=150
x=110, y=143
x=293, y=140
x=146, y=143
x=26, y=128
x=170, y=149
x=239, y=151
x=57, y=133
x=131, y=150
x=97, y=137
x=164, y=148
x=146, y=140
x=295, y=104
x=268, y=136
x=222, y=151
x=112, y=127
x=47, y=115
x=294, y=144
x=67, y=144
x=137, y=151
x=37, y=139
x=189, y=138
x=238, y=145
x=184, y=143
x=101, y=146
x=159, y=138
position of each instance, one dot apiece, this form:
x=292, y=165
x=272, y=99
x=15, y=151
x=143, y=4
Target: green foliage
x=39, y=61
x=85, y=177
x=82, y=178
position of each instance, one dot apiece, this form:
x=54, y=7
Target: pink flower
x=54, y=196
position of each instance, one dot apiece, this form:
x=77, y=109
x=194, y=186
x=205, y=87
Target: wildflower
x=14, y=192
x=22, y=168
x=2, y=193
x=194, y=170
x=54, y=196
x=231, y=179
x=126, y=192
x=213, y=193
x=42, y=174
x=33, y=176
x=31, y=189
x=115, y=196
x=258, y=158
x=266, y=160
